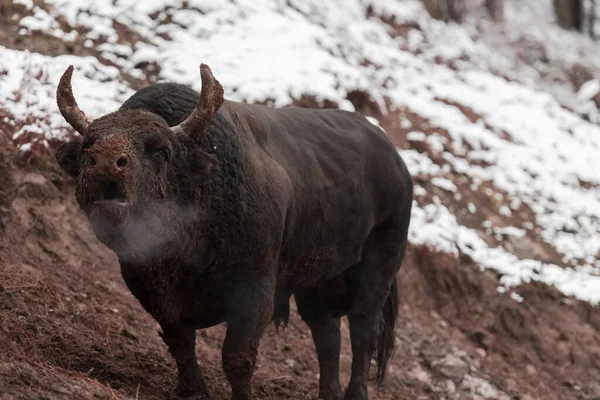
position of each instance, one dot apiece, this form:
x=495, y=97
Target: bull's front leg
x=250, y=309
x=181, y=342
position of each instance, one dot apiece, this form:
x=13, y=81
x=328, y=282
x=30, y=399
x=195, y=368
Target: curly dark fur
x=226, y=224
x=172, y=101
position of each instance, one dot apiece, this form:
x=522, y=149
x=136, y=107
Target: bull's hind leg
x=326, y=335
x=373, y=314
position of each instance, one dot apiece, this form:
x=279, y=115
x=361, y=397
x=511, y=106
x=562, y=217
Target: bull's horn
x=68, y=106
x=211, y=98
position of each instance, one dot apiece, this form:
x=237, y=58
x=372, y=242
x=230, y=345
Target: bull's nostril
x=92, y=161
x=122, y=161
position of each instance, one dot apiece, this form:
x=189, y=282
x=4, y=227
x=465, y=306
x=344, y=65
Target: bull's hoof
x=332, y=394
x=196, y=397
x=357, y=393
x=330, y=397
x=199, y=393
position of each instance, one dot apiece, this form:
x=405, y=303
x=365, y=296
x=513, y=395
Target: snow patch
x=28, y=88
x=445, y=184
x=435, y=226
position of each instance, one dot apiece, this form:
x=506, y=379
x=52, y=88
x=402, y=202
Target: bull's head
x=125, y=160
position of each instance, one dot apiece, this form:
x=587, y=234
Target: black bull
x=219, y=211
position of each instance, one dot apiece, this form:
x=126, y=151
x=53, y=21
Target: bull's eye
x=86, y=151
x=163, y=153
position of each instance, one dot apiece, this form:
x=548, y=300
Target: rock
x=419, y=374
x=450, y=386
x=290, y=363
x=593, y=391
x=530, y=369
x=451, y=367
x=34, y=178
x=481, y=352
x=482, y=388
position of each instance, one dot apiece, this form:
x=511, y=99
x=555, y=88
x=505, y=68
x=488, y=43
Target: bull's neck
x=225, y=188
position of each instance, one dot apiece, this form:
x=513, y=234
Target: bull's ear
x=202, y=163
x=67, y=157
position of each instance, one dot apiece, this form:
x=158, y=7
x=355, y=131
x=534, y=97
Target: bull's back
x=345, y=178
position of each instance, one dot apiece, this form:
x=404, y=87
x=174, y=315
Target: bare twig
x=113, y=393
x=44, y=320
x=19, y=287
x=279, y=378
x=35, y=220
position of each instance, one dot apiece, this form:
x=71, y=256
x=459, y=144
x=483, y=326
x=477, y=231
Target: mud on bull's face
x=121, y=164
x=125, y=160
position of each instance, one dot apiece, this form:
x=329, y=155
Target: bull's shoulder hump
x=296, y=125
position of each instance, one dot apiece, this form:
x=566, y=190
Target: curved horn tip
x=65, y=80
x=205, y=71
x=69, y=71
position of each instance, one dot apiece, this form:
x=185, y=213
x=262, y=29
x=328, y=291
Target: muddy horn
x=211, y=98
x=68, y=106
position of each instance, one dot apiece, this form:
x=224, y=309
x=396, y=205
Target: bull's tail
x=387, y=335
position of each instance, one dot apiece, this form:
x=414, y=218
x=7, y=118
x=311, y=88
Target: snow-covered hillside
x=499, y=126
